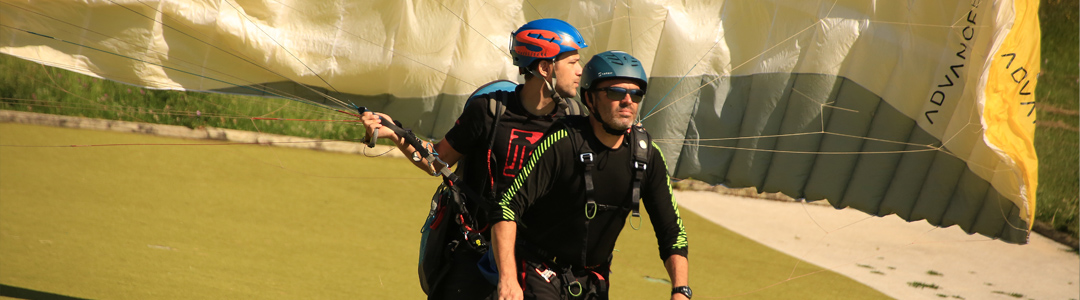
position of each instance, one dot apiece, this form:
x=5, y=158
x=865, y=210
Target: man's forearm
x=408, y=151
x=678, y=270
x=503, y=235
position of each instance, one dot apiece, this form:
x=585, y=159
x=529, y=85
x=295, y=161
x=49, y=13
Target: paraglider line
x=713, y=47
x=215, y=47
x=474, y=29
x=152, y=144
x=924, y=25
x=281, y=46
x=280, y=164
x=365, y=149
x=823, y=105
x=120, y=109
x=629, y=28
x=396, y=53
x=200, y=40
x=681, y=79
x=304, y=120
x=673, y=141
x=768, y=286
x=534, y=9
x=156, y=64
x=800, y=152
x=800, y=32
x=267, y=89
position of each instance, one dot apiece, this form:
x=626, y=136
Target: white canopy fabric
x=919, y=108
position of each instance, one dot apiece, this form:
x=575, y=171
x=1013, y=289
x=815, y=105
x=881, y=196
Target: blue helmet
x=543, y=39
x=612, y=64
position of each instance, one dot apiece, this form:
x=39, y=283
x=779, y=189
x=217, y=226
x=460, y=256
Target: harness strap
x=465, y=220
x=590, y=204
x=500, y=108
x=587, y=159
x=639, y=148
x=568, y=279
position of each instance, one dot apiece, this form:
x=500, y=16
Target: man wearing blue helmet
x=492, y=142
x=574, y=194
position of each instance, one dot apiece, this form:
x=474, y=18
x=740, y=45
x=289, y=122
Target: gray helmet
x=612, y=64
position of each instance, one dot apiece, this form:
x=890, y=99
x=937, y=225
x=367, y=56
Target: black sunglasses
x=618, y=93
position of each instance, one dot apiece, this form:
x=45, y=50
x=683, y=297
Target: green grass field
x=253, y=222
x=1057, y=140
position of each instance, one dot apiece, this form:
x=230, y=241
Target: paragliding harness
x=438, y=237
x=595, y=276
x=449, y=224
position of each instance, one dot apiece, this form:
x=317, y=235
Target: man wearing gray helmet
x=573, y=195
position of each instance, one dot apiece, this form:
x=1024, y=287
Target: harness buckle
x=640, y=165
x=586, y=157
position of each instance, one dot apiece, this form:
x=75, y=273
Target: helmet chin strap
x=551, y=86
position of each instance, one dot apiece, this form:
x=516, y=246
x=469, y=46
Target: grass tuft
x=1014, y=295
x=917, y=284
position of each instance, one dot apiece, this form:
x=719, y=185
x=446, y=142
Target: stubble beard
x=617, y=122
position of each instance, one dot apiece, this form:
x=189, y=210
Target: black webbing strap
x=640, y=149
x=499, y=98
x=497, y=107
x=590, y=207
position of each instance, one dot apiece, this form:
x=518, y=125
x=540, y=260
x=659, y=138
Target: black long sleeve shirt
x=548, y=198
x=515, y=137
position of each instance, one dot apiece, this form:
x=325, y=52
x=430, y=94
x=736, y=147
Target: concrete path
x=895, y=256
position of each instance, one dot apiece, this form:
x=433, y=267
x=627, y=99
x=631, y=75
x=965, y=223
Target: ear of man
x=588, y=98
x=545, y=68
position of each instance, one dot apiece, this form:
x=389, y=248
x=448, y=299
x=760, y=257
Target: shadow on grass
x=21, y=293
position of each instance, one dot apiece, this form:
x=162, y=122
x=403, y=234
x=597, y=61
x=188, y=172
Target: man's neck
x=610, y=140
x=536, y=98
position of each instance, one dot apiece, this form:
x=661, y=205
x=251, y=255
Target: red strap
x=601, y=277
x=491, y=176
x=522, y=280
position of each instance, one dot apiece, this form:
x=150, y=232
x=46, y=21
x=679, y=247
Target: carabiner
x=638, y=221
x=590, y=213
x=570, y=288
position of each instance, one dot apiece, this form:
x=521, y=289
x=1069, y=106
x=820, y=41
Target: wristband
x=685, y=290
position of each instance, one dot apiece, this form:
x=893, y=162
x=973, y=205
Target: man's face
x=568, y=72
x=618, y=114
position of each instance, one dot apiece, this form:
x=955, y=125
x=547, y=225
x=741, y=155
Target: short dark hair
x=526, y=71
x=536, y=64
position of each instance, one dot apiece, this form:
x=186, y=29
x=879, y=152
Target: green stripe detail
x=508, y=214
x=680, y=242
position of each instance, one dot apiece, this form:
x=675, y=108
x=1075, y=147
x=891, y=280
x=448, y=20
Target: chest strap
x=639, y=146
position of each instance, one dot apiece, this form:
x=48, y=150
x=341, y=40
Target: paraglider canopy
x=922, y=109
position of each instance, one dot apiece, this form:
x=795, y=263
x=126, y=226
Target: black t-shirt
x=548, y=198
x=517, y=134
